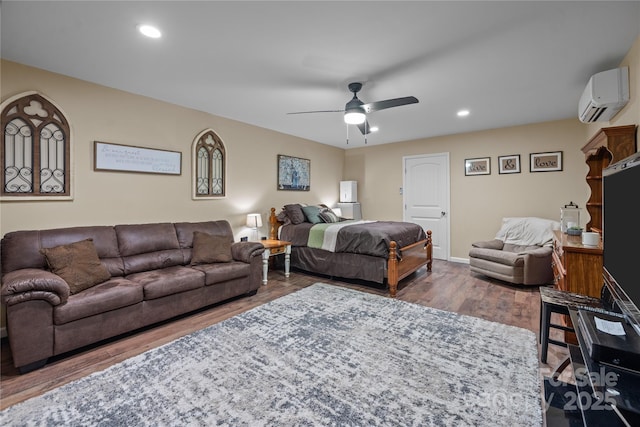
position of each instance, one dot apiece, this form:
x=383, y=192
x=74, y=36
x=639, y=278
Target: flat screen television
x=621, y=235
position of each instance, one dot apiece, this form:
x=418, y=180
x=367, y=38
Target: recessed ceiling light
x=150, y=31
x=463, y=113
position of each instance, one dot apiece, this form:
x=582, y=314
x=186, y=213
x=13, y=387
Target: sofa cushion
x=147, y=247
x=113, y=294
x=489, y=244
x=21, y=249
x=209, y=249
x=500, y=257
x=104, y=240
x=525, y=249
x=78, y=264
x=168, y=281
x=185, y=231
x=216, y=273
x=508, y=273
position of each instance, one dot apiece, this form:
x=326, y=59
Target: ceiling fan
x=355, y=111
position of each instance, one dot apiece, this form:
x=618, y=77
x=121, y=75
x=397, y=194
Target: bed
x=374, y=251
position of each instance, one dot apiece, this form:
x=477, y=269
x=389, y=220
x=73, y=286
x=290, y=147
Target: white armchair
x=520, y=253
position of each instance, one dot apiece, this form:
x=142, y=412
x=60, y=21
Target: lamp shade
x=254, y=220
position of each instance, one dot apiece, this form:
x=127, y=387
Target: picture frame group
x=549, y=161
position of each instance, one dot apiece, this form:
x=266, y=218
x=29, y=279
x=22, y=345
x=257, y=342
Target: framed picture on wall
x=545, y=162
x=294, y=173
x=509, y=164
x=478, y=166
x=129, y=158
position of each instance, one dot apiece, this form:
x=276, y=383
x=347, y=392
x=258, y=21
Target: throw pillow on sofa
x=78, y=264
x=209, y=249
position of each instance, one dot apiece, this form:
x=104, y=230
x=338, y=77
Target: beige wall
x=98, y=113
x=478, y=203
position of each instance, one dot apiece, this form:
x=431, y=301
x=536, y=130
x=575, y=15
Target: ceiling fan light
x=354, y=117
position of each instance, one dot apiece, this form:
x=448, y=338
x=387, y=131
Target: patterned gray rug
x=324, y=356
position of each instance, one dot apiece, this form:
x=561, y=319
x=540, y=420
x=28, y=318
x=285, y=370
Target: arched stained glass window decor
x=209, y=159
x=35, y=149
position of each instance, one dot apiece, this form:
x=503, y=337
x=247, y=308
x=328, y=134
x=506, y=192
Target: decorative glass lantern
x=569, y=216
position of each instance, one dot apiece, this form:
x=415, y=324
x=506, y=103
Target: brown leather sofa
x=152, y=279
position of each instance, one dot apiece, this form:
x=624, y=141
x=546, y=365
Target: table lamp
x=254, y=221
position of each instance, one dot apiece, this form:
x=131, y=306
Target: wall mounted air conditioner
x=606, y=93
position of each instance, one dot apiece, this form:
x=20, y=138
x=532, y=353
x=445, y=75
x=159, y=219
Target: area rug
x=322, y=356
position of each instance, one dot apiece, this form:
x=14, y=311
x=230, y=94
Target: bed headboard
x=274, y=224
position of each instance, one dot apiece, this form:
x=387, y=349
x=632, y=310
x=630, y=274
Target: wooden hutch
x=578, y=268
x=609, y=145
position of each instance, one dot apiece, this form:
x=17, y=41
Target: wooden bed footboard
x=412, y=258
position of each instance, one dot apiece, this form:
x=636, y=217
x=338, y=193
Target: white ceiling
x=510, y=63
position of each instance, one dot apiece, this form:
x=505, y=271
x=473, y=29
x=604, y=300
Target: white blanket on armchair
x=527, y=231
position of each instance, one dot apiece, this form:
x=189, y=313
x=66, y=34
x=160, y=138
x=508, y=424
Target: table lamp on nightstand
x=254, y=221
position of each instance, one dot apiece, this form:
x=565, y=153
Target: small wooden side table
x=271, y=248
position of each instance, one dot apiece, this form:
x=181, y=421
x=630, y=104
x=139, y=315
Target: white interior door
x=426, y=197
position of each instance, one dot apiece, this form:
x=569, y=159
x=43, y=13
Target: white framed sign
x=128, y=158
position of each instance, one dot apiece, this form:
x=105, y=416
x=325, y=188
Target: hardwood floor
x=450, y=286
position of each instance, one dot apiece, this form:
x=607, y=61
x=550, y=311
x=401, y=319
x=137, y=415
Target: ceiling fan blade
x=319, y=111
x=364, y=127
x=388, y=103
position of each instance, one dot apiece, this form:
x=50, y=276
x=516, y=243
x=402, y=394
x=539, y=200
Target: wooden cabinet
x=607, y=146
x=577, y=268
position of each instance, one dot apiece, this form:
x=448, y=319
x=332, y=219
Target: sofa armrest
x=540, y=252
x=489, y=244
x=244, y=251
x=538, y=268
x=34, y=284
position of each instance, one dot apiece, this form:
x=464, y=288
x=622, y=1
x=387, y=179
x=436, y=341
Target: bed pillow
x=295, y=214
x=283, y=218
x=327, y=215
x=78, y=265
x=312, y=213
x=209, y=249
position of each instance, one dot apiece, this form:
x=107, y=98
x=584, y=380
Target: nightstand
x=271, y=248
